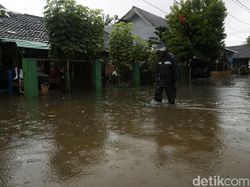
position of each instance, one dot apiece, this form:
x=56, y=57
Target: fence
x=66, y=75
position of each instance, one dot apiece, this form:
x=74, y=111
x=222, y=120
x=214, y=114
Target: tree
x=126, y=48
x=121, y=44
x=75, y=31
x=196, y=28
x=140, y=50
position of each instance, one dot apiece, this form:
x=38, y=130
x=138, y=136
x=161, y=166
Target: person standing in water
x=165, y=75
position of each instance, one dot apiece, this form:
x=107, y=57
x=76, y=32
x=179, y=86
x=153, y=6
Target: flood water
x=121, y=138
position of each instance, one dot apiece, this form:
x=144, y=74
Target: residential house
x=1, y=7
x=24, y=36
x=241, y=58
x=21, y=36
x=144, y=22
x=144, y=26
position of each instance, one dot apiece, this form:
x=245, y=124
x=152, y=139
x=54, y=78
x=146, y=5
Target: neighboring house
x=241, y=58
x=24, y=36
x=144, y=22
x=21, y=36
x=228, y=59
x=1, y=7
x=27, y=31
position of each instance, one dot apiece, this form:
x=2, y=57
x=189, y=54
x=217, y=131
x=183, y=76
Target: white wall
x=141, y=28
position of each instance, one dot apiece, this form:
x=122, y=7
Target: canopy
x=27, y=44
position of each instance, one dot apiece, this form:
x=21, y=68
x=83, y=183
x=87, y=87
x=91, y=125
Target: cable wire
x=238, y=19
x=239, y=31
x=228, y=14
x=155, y=6
x=241, y=5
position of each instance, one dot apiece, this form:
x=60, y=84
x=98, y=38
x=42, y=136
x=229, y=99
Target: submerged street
x=122, y=138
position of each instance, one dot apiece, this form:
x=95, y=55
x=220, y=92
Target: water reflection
x=79, y=136
x=120, y=138
x=192, y=137
x=22, y=148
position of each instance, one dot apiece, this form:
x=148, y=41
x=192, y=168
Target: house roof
x=230, y=50
x=152, y=19
x=242, y=51
x=23, y=27
x=29, y=31
x=2, y=7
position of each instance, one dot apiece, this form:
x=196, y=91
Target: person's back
x=166, y=76
x=166, y=70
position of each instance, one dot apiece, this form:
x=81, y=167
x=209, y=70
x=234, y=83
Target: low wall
x=219, y=74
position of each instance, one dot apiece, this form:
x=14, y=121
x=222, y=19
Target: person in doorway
x=165, y=75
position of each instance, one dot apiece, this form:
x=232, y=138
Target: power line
x=155, y=6
x=228, y=14
x=241, y=39
x=238, y=19
x=180, y=3
x=239, y=31
x=237, y=36
x=241, y=5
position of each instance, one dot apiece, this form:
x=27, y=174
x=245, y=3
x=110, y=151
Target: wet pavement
x=121, y=138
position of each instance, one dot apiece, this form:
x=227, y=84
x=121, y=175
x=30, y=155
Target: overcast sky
x=237, y=30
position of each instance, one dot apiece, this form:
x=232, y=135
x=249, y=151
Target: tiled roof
x=2, y=7
x=30, y=28
x=154, y=20
x=23, y=27
x=242, y=51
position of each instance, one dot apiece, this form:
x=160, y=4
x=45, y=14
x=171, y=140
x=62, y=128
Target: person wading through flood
x=165, y=75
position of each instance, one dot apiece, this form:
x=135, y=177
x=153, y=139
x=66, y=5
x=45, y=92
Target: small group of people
x=166, y=74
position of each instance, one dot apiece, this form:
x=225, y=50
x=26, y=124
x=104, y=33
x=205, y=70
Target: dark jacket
x=166, y=70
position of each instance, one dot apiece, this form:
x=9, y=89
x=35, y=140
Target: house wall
x=142, y=29
x=241, y=66
x=240, y=62
x=229, y=57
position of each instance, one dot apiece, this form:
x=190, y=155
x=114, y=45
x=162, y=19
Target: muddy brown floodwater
x=121, y=138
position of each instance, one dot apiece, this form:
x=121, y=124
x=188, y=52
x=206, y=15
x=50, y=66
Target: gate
x=63, y=75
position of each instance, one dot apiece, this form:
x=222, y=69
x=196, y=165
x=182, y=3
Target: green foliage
x=121, y=44
x=75, y=31
x=160, y=33
x=2, y=13
x=126, y=48
x=148, y=66
x=140, y=50
x=196, y=28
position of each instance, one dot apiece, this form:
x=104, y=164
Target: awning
x=27, y=44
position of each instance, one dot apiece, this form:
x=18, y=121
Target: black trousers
x=170, y=91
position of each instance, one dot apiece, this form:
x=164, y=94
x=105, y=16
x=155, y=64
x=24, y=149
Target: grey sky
x=237, y=31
